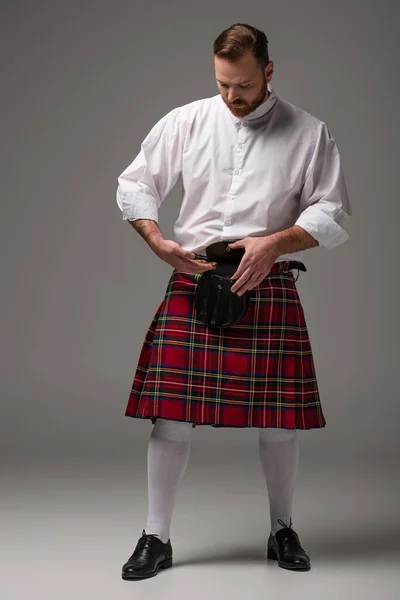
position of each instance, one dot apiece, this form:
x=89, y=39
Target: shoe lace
x=290, y=535
x=143, y=543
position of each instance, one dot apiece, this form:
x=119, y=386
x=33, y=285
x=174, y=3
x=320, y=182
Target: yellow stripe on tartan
x=240, y=350
x=212, y=399
x=189, y=372
x=268, y=352
x=238, y=327
x=220, y=374
x=159, y=347
x=281, y=348
x=161, y=369
x=253, y=364
x=302, y=385
x=205, y=373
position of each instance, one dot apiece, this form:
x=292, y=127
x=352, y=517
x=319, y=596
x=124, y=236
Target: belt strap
x=228, y=259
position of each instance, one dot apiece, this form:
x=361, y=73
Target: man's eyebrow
x=240, y=83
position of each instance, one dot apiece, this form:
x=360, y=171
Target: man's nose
x=232, y=95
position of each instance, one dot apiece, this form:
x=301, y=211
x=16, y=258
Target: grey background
x=82, y=84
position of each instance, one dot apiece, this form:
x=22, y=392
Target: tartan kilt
x=257, y=373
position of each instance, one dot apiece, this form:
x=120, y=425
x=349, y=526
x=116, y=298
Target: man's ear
x=269, y=70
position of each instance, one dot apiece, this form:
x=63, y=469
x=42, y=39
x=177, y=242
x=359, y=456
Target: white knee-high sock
x=279, y=455
x=167, y=459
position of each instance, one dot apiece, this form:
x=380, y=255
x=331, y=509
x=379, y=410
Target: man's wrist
x=155, y=242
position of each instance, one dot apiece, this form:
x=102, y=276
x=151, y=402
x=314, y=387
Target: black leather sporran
x=216, y=305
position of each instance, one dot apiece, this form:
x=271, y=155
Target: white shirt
x=275, y=168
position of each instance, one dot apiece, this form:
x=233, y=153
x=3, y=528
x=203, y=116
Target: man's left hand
x=257, y=261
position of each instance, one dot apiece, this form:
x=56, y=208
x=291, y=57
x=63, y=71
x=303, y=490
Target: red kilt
x=257, y=373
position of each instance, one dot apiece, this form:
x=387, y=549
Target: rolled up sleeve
x=146, y=182
x=324, y=202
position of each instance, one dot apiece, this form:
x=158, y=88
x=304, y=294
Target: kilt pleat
x=257, y=373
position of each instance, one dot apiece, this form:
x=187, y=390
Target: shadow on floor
x=352, y=546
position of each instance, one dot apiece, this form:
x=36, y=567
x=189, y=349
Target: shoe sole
x=164, y=565
x=272, y=555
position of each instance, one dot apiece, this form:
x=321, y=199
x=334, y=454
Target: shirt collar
x=262, y=110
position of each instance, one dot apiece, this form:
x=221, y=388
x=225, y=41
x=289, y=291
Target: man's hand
x=257, y=261
x=182, y=260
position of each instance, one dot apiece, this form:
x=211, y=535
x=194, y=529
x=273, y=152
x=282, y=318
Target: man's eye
x=244, y=87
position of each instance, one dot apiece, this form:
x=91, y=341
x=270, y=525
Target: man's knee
x=168, y=429
x=277, y=434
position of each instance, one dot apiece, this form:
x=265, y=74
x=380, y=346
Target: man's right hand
x=182, y=260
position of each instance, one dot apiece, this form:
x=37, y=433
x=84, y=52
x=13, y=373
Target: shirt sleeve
x=324, y=203
x=145, y=183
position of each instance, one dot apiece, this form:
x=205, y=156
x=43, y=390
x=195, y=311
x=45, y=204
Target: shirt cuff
x=137, y=205
x=322, y=227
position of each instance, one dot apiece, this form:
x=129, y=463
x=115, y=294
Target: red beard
x=243, y=108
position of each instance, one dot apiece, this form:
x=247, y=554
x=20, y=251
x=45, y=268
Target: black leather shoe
x=285, y=547
x=149, y=556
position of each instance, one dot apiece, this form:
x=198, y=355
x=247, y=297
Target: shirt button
x=236, y=172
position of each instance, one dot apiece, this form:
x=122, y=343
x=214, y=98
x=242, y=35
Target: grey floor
x=67, y=526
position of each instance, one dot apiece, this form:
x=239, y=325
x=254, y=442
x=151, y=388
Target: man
x=262, y=183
